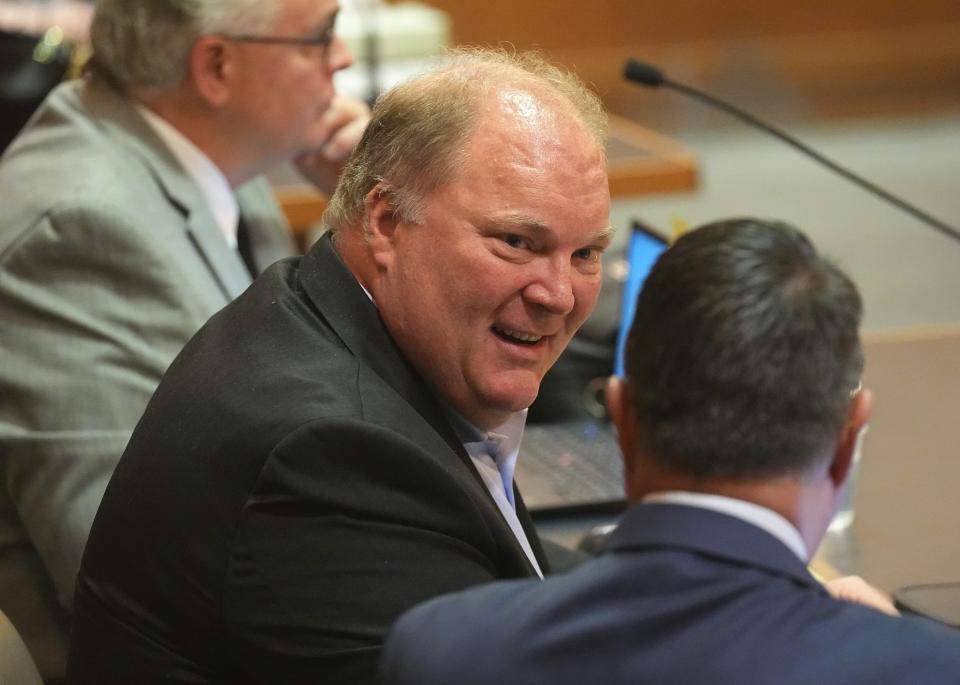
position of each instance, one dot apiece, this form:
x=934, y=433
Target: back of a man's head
x=145, y=44
x=419, y=129
x=744, y=352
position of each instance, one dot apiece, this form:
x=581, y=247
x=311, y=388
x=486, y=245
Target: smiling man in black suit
x=338, y=444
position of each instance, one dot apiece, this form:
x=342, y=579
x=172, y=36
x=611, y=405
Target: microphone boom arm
x=652, y=77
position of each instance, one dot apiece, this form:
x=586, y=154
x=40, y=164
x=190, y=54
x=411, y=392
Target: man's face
x=485, y=294
x=283, y=90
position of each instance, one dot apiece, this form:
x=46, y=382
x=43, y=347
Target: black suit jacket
x=681, y=596
x=292, y=488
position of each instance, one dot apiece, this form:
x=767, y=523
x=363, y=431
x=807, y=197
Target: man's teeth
x=521, y=337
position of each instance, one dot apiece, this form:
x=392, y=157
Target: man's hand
x=345, y=122
x=856, y=590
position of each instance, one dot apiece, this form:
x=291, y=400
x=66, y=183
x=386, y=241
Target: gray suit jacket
x=109, y=262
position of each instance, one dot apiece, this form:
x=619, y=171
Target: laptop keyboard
x=569, y=465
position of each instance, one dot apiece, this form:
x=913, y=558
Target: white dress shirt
x=213, y=185
x=761, y=517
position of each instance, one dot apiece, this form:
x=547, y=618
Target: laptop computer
x=576, y=465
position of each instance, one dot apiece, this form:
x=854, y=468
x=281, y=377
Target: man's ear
x=620, y=407
x=210, y=68
x=380, y=224
x=858, y=417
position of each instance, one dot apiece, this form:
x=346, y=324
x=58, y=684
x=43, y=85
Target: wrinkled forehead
x=529, y=163
x=525, y=108
x=538, y=107
x=523, y=127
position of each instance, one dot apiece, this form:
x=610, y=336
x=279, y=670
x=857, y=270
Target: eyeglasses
x=322, y=40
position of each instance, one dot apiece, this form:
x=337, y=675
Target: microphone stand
x=650, y=76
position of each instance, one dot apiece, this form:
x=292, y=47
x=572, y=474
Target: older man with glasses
x=133, y=209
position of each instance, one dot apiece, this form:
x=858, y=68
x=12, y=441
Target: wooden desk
x=640, y=162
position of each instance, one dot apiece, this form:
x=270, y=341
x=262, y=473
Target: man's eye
x=588, y=254
x=516, y=241
x=323, y=38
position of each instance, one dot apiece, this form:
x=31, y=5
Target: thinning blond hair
x=419, y=130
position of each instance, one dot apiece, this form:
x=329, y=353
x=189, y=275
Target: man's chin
x=506, y=405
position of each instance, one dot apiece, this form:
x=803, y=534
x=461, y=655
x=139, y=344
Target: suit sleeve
x=350, y=525
x=92, y=315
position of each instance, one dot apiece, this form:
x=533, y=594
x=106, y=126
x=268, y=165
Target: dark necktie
x=245, y=247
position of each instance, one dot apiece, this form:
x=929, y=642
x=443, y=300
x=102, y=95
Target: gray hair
x=147, y=43
x=418, y=132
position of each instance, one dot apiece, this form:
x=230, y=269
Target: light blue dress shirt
x=494, y=454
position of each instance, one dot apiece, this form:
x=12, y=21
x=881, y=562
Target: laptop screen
x=643, y=248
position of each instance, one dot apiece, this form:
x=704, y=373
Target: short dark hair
x=744, y=352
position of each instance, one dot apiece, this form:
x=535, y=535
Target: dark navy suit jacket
x=682, y=596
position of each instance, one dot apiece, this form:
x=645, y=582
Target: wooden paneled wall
x=814, y=56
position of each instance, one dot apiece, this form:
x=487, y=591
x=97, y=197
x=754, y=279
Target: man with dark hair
x=338, y=444
x=745, y=354
x=739, y=419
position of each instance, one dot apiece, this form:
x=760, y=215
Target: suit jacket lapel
x=121, y=121
x=533, y=537
x=350, y=313
x=354, y=318
x=708, y=533
x=270, y=237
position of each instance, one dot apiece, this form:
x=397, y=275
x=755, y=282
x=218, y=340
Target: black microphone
x=643, y=73
x=650, y=76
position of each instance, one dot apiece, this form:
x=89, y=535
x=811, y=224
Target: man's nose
x=553, y=289
x=338, y=55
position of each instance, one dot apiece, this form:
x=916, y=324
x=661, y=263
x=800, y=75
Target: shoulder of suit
x=69, y=173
